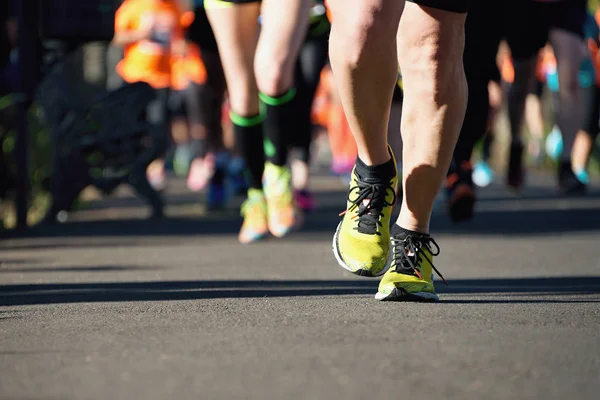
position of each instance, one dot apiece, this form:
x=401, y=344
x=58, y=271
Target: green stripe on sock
x=246, y=121
x=277, y=101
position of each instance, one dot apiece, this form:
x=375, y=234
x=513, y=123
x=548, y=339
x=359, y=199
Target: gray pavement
x=111, y=306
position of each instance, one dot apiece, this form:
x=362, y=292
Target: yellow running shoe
x=254, y=211
x=282, y=215
x=410, y=277
x=361, y=243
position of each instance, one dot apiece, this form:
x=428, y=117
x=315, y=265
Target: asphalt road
x=126, y=308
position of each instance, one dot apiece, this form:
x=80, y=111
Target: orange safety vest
x=146, y=60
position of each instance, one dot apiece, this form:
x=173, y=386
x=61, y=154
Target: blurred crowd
x=172, y=46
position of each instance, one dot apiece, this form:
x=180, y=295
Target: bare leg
x=430, y=50
x=582, y=148
x=569, y=50
x=430, y=47
x=363, y=60
x=535, y=124
x=517, y=95
x=236, y=31
x=283, y=30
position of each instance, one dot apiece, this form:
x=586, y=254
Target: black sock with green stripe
x=278, y=116
x=248, y=133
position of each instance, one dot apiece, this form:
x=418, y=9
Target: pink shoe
x=342, y=166
x=201, y=171
x=304, y=200
x=157, y=178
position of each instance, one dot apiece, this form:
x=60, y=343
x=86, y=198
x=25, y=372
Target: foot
x=304, y=200
x=410, y=277
x=483, y=175
x=156, y=176
x=217, y=196
x=568, y=182
x=554, y=144
x=254, y=211
x=342, y=166
x=182, y=160
x=200, y=172
x=535, y=150
x=218, y=189
x=280, y=199
x=361, y=243
x=235, y=174
x=460, y=193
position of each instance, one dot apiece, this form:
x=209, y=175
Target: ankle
x=399, y=230
x=412, y=224
x=373, y=158
x=384, y=171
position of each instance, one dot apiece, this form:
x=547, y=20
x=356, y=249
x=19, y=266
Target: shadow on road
x=517, y=223
x=55, y=293
x=94, y=268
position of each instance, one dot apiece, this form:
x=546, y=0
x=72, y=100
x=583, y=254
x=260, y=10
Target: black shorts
x=457, y=6
x=591, y=99
x=528, y=23
x=483, y=34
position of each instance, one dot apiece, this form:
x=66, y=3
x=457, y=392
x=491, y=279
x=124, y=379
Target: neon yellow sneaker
x=410, y=277
x=254, y=211
x=361, y=243
x=282, y=215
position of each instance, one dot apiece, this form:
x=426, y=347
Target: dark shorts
x=482, y=38
x=591, y=103
x=457, y=6
x=528, y=23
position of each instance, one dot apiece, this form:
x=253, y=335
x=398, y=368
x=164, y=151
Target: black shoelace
x=407, y=252
x=369, y=214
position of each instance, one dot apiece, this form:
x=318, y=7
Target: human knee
x=366, y=29
x=274, y=73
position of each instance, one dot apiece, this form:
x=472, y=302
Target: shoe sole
x=360, y=272
x=254, y=239
x=401, y=295
x=296, y=226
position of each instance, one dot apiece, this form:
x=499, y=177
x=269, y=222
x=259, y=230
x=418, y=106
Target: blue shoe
x=583, y=176
x=483, y=175
x=554, y=144
x=216, y=197
x=218, y=190
x=235, y=175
